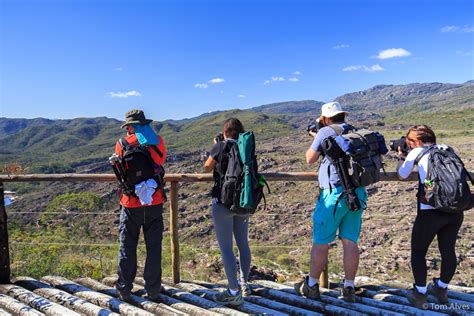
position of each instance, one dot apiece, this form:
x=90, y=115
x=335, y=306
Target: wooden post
x=4, y=251
x=324, y=278
x=174, y=232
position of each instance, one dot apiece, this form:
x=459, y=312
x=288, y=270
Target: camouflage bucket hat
x=135, y=117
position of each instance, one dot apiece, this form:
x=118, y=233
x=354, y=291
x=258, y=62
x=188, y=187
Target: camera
x=402, y=143
x=219, y=138
x=314, y=127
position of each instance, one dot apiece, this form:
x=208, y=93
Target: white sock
x=312, y=281
x=233, y=292
x=349, y=283
x=421, y=289
x=441, y=284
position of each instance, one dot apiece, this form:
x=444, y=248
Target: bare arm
x=312, y=156
x=209, y=164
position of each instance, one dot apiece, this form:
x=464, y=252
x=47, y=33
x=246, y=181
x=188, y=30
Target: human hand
x=401, y=153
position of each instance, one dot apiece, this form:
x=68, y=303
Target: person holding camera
x=326, y=222
x=429, y=222
x=229, y=225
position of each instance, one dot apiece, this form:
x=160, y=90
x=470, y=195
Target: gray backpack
x=364, y=149
x=445, y=187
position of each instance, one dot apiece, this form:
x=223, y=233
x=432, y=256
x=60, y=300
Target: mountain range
x=62, y=145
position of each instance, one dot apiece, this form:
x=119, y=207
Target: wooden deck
x=54, y=295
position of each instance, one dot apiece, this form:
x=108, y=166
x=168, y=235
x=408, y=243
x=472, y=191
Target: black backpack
x=138, y=165
x=229, y=184
x=445, y=187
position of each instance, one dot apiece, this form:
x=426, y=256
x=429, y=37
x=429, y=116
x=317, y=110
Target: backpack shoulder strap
x=157, y=150
x=337, y=128
x=123, y=142
x=421, y=154
x=223, y=145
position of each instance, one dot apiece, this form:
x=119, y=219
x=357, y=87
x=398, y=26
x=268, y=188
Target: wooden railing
x=173, y=179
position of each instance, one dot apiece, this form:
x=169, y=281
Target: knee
x=349, y=244
x=318, y=248
x=418, y=254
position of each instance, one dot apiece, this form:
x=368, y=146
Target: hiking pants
x=131, y=220
x=228, y=225
x=428, y=224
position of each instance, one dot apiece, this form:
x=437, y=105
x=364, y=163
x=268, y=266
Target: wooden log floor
x=54, y=295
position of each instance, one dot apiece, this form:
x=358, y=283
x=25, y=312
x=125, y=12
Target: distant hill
x=290, y=107
x=419, y=96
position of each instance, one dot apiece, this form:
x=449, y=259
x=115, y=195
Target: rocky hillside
x=420, y=96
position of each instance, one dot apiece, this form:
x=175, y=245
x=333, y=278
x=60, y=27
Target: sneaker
x=417, y=299
x=348, y=294
x=438, y=292
x=225, y=298
x=303, y=289
x=246, y=290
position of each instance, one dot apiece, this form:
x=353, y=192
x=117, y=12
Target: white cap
x=332, y=109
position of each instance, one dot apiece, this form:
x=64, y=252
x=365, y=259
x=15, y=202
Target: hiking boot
x=417, y=299
x=438, y=292
x=153, y=295
x=225, y=298
x=246, y=290
x=348, y=294
x=124, y=295
x=303, y=289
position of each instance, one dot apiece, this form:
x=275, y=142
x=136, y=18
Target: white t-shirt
x=409, y=164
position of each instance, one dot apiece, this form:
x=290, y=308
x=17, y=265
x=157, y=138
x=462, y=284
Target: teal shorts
x=326, y=223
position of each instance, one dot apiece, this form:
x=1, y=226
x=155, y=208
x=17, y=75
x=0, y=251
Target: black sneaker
x=417, y=299
x=348, y=294
x=438, y=292
x=124, y=295
x=303, y=289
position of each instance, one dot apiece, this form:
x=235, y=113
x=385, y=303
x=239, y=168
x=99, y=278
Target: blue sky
x=177, y=59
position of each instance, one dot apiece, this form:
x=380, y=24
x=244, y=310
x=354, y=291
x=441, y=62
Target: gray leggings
x=227, y=224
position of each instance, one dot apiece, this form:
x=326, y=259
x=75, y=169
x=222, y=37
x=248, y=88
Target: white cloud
x=200, y=85
x=274, y=79
x=120, y=94
x=296, y=73
x=457, y=29
x=468, y=29
x=340, y=46
x=449, y=28
x=393, y=53
x=465, y=53
x=118, y=69
x=294, y=79
x=373, y=68
x=216, y=80
x=241, y=96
